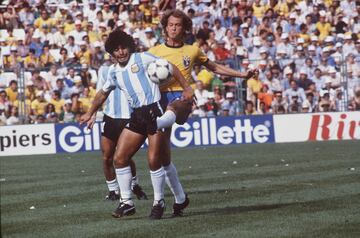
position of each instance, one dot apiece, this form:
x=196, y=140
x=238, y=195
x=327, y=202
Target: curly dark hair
x=186, y=21
x=117, y=38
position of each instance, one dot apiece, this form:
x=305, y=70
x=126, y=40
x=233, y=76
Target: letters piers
x=15, y=140
x=206, y=132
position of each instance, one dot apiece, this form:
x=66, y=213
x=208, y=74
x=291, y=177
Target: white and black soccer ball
x=160, y=71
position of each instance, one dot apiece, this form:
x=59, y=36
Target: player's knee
x=182, y=110
x=108, y=160
x=107, y=157
x=121, y=161
x=154, y=161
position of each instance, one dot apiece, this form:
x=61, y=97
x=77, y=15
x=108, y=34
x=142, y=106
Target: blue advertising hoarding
x=224, y=131
x=74, y=138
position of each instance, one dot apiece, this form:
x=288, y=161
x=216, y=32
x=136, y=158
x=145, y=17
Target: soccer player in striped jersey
x=175, y=23
x=143, y=96
x=116, y=116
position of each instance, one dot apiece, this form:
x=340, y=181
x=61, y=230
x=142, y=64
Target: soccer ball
x=160, y=71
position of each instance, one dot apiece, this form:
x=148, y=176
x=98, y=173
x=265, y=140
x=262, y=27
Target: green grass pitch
x=269, y=190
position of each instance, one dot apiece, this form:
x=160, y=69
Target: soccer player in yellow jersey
x=175, y=23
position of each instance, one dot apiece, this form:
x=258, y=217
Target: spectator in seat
x=325, y=104
x=294, y=89
x=14, y=116
x=50, y=115
x=57, y=101
x=200, y=92
x=67, y=115
x=230, y=106
x=305, y=107
x=294, y=105
x=279, y=104
x=76, y=105
x=221, y=53
x=265, y=97
x=12, y=61
x=38, y=105
x=250, y=108
x=86, y=99
x=212, y=107
x=254, y=86
x=318, y=79
x=31, y=61
x=4, y=106
x=12, y=91
x=304, y=82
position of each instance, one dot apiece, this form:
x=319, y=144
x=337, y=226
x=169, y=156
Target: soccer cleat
x=140, y=194
x=157, y=210
x=112, y=196
x=179, y=208
x=124, y=209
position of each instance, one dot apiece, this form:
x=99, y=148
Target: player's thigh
x=154, y=151
x=128, y=144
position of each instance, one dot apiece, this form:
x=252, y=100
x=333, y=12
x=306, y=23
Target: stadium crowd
x=307, y=54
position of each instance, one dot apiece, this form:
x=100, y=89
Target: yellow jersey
x=86, y=102
x=58, y=104
x=39, y=23
x=324, y=29
x=183, y=57
x=12, y=95
x=254, y=85
x=38, y=107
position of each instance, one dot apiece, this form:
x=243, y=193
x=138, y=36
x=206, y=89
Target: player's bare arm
x=223, y=70
x=188, y=93
x=100, y=98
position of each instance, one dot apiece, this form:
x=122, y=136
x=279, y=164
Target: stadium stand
x=307, y=54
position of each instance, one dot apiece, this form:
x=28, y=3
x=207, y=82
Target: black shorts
x=143, y=119
x=112, y=128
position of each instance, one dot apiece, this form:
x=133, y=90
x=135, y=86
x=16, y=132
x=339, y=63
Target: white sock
x=166, y=120
x=172, y=180
x=134, y=181
x=113, y=185
x=158, y=183
x=124, y=177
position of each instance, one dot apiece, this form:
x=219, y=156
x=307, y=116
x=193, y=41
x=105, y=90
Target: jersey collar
x=170, y=46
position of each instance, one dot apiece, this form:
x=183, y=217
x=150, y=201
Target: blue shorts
x=169, y=97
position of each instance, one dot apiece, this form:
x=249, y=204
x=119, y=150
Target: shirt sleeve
x=201, y=57
x=103, y=71
x=110, y=82
x=148, y=58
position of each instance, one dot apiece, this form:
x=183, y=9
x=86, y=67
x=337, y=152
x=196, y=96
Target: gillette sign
x=73, y=138
x=223, y=131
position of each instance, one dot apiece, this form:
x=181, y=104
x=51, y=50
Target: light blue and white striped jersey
x=116, y=105
x=133, y=80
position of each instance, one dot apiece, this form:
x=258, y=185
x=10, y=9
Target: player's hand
x=91, y=122
x=188, y=94
x=250, y=73
x=86, y=118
